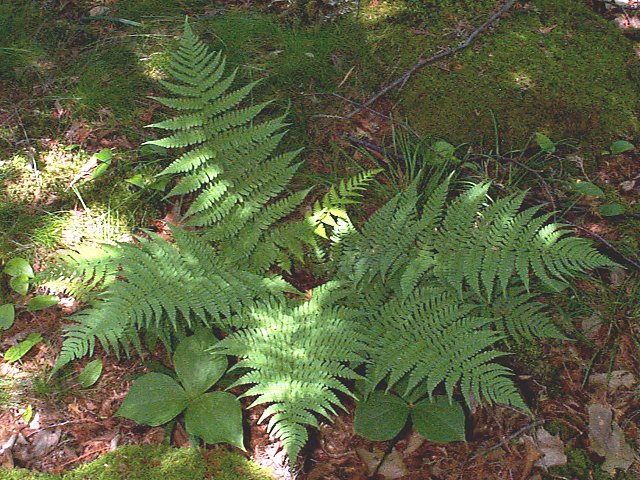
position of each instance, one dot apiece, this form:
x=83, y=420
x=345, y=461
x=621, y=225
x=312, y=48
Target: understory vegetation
x=207, y=239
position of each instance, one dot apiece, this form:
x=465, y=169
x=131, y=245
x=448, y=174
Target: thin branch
x=614, y=251
x=506, y=440
x=438, y=56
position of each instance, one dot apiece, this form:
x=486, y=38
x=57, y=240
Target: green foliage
x=382, y=416
x=332, y=209
x=456, y=282
x=90, y=373
x=7, y=316
x=15, y=353
x=164, y=287
x=155, y=462
x=155, y=398
x=296, y=354
x=426, y=289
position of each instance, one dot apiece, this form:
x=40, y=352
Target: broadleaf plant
x=155, y=398
x=383, y=416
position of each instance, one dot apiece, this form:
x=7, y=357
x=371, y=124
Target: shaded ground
x=72, y=85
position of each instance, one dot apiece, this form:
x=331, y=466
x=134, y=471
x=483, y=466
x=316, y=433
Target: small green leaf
x=588, y=188
x=381, y=416
x=7, y=316
x=18, y=266
x=444, y=152
x=137, y=180
x=198, y=369
x=216, y=417
x=90, y=373
x=20, y=284
x=621, y=146
x=161, y=184
x=104, y=155
x=18, y=351
x=439, y=420
x=99, y=170
x=153, y=399
x=41, y=302
x=545, y=143
x=27, y=415
x=612, y=209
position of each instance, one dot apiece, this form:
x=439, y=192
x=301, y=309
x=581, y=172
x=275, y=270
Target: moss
x=300, y=65
x=155, y=462
x=19, y=49
x=581, y=466
x=554, y=67
x=109, y=77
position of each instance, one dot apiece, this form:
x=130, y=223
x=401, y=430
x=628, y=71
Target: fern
x=427, y=290
x=453, y=279
x=164, y=288
x=296, y=354
x=229, y=162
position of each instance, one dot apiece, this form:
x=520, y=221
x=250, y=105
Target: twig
x=438, y=56
x=614, y=251
x=514, y=435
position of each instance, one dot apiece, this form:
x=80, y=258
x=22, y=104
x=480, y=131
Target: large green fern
x=426, y=289
x=296, y=354
x=452, y=279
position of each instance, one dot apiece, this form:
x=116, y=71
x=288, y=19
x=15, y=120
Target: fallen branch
x=402, y=79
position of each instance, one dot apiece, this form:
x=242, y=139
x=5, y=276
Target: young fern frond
x=297, y=355
x=331, y=209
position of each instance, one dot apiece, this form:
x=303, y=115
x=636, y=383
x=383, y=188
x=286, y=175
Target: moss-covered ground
x=154, y=462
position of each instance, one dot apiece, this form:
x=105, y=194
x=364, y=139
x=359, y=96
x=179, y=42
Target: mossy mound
x=154, y=462
x=552, y=66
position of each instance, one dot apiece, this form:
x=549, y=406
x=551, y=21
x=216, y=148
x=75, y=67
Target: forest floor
x=75, y=77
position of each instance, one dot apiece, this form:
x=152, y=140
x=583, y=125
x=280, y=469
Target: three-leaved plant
x=156, y=398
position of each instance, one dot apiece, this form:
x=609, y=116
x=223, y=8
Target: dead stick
x=438, y=56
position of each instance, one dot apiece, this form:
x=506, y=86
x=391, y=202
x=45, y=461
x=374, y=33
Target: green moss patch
x=155, y=462
x=553, y=67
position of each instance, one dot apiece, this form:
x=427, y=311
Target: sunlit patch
x=523, y=80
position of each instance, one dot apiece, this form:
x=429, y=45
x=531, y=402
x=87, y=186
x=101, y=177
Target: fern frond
x=297, y=355
x=431, y=337
x=164, y=287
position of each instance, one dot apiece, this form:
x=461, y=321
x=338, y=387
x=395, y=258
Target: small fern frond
x=82, y=272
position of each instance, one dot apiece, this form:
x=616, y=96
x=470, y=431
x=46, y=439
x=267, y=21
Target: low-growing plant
x=21, y=276
x=155, y=398
x=422, y=296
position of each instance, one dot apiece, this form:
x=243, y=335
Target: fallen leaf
x=551, y=447
x=607, y=439
x=392, y=467
x=614, y=380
